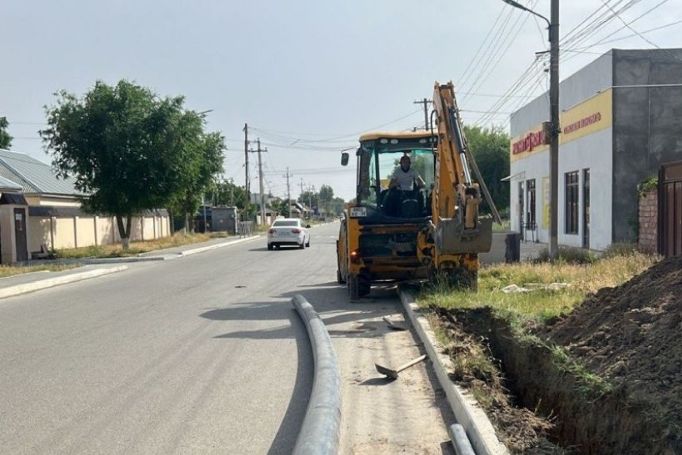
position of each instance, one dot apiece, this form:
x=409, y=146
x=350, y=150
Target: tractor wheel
x=358, y=287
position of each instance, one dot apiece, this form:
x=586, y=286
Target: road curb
x=319, y=433
x=217, y=245
x=18, y=289
x=129, y=259
x=468, y=413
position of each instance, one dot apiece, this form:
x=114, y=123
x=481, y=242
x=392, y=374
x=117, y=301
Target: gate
x=670, y=209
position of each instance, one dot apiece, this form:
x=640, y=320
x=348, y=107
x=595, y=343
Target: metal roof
x=33, y=175
x=8, y=185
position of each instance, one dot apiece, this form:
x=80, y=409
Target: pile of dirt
x=630, y=335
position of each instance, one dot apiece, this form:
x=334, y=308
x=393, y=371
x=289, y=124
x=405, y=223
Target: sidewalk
x=36, y=281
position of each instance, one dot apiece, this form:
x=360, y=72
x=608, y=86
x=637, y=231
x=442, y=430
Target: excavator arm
x=457, y=232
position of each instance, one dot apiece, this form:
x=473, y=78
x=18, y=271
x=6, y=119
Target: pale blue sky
x=301, y=73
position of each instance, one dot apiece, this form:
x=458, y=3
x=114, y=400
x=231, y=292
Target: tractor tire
x=358, y=287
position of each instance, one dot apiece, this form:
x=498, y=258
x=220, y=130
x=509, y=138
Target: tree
x=5, y=138
x=309, y=199
x=490, y=148
x=199, y=180
x=337, y=206
x=127, y=149
x=227, y=193
x=326, y=195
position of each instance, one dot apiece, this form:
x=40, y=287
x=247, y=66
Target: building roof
x=33, y=176
x=8, y=185
x=372, y=136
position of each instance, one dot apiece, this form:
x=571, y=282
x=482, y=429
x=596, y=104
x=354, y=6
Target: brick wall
x=648, y=222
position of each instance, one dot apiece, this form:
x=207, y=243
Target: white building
x=621, y=117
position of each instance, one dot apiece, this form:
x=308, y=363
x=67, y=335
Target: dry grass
x=541, y=304
x=110, y=251
x=7, y=271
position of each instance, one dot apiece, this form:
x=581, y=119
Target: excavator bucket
x=452, y=238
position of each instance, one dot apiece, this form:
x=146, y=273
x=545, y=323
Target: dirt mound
x=630, y=335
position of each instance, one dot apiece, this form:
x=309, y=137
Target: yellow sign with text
x=592, y=115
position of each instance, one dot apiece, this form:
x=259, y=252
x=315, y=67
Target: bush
x=620, y=249
x=569, y=255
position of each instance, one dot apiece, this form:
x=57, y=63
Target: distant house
x=52, y=214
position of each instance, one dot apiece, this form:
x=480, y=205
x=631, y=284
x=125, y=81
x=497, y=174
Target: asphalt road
x=201, y=354
x=198, y=355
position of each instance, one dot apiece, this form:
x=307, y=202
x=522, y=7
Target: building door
x=522, y=210
x=670, y=209
x=20, y=234
x=586, y=208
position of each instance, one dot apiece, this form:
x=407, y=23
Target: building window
x=571, y=201
x=530, y=198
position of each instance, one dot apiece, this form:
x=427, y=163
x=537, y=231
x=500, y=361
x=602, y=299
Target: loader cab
x=384, y=158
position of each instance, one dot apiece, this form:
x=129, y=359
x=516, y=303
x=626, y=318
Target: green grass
x=7, y=271
x=539, y=304
x=111, y=251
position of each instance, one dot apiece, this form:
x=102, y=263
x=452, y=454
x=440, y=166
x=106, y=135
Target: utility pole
x=426, y=103
x=310, y=201
x=554, y=125
x=288, y=193
x=260, y=183
x=247, y=185
x=301, y=197
x=556, y=129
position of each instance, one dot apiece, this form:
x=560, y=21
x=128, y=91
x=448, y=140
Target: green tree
x=325, y=196
x=127, y=149
x=199, y=180
x=337, y=206
x=490, y=147
x=5, y=138
x=229, y=194
x=309, y=199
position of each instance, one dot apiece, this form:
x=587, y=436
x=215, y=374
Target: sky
x=307, y=76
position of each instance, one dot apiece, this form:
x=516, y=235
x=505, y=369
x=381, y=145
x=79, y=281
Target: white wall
x=590, y=152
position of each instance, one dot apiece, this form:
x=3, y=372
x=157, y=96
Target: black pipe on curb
x=319, y=433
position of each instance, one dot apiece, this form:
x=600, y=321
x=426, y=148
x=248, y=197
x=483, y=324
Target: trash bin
x=512, y=247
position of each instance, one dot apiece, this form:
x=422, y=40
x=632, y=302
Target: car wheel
x=301, y=245
x=269, y=246
x=308, y=243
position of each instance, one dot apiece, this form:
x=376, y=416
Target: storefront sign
x=588, y=117
x=530, y=142
x=582, y=123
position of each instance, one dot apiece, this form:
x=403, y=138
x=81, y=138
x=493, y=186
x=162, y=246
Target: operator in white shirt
x=404, y=177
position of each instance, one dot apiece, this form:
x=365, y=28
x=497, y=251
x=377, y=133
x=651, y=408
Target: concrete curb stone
x=468, y=413
x=24, y=288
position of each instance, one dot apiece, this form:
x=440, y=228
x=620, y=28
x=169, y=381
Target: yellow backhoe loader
x=416, y=211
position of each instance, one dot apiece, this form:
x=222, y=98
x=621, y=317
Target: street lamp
x=555, y=129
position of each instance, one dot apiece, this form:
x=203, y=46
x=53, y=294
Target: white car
x=288, y=231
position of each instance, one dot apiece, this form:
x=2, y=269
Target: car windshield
x=285, y=224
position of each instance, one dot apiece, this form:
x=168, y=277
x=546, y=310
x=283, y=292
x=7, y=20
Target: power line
x=647, y=12
x=466, y=74
x=510, y=38
x=627, y=24
x=601, y=42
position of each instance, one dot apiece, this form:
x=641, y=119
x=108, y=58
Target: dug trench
x=588, y=383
